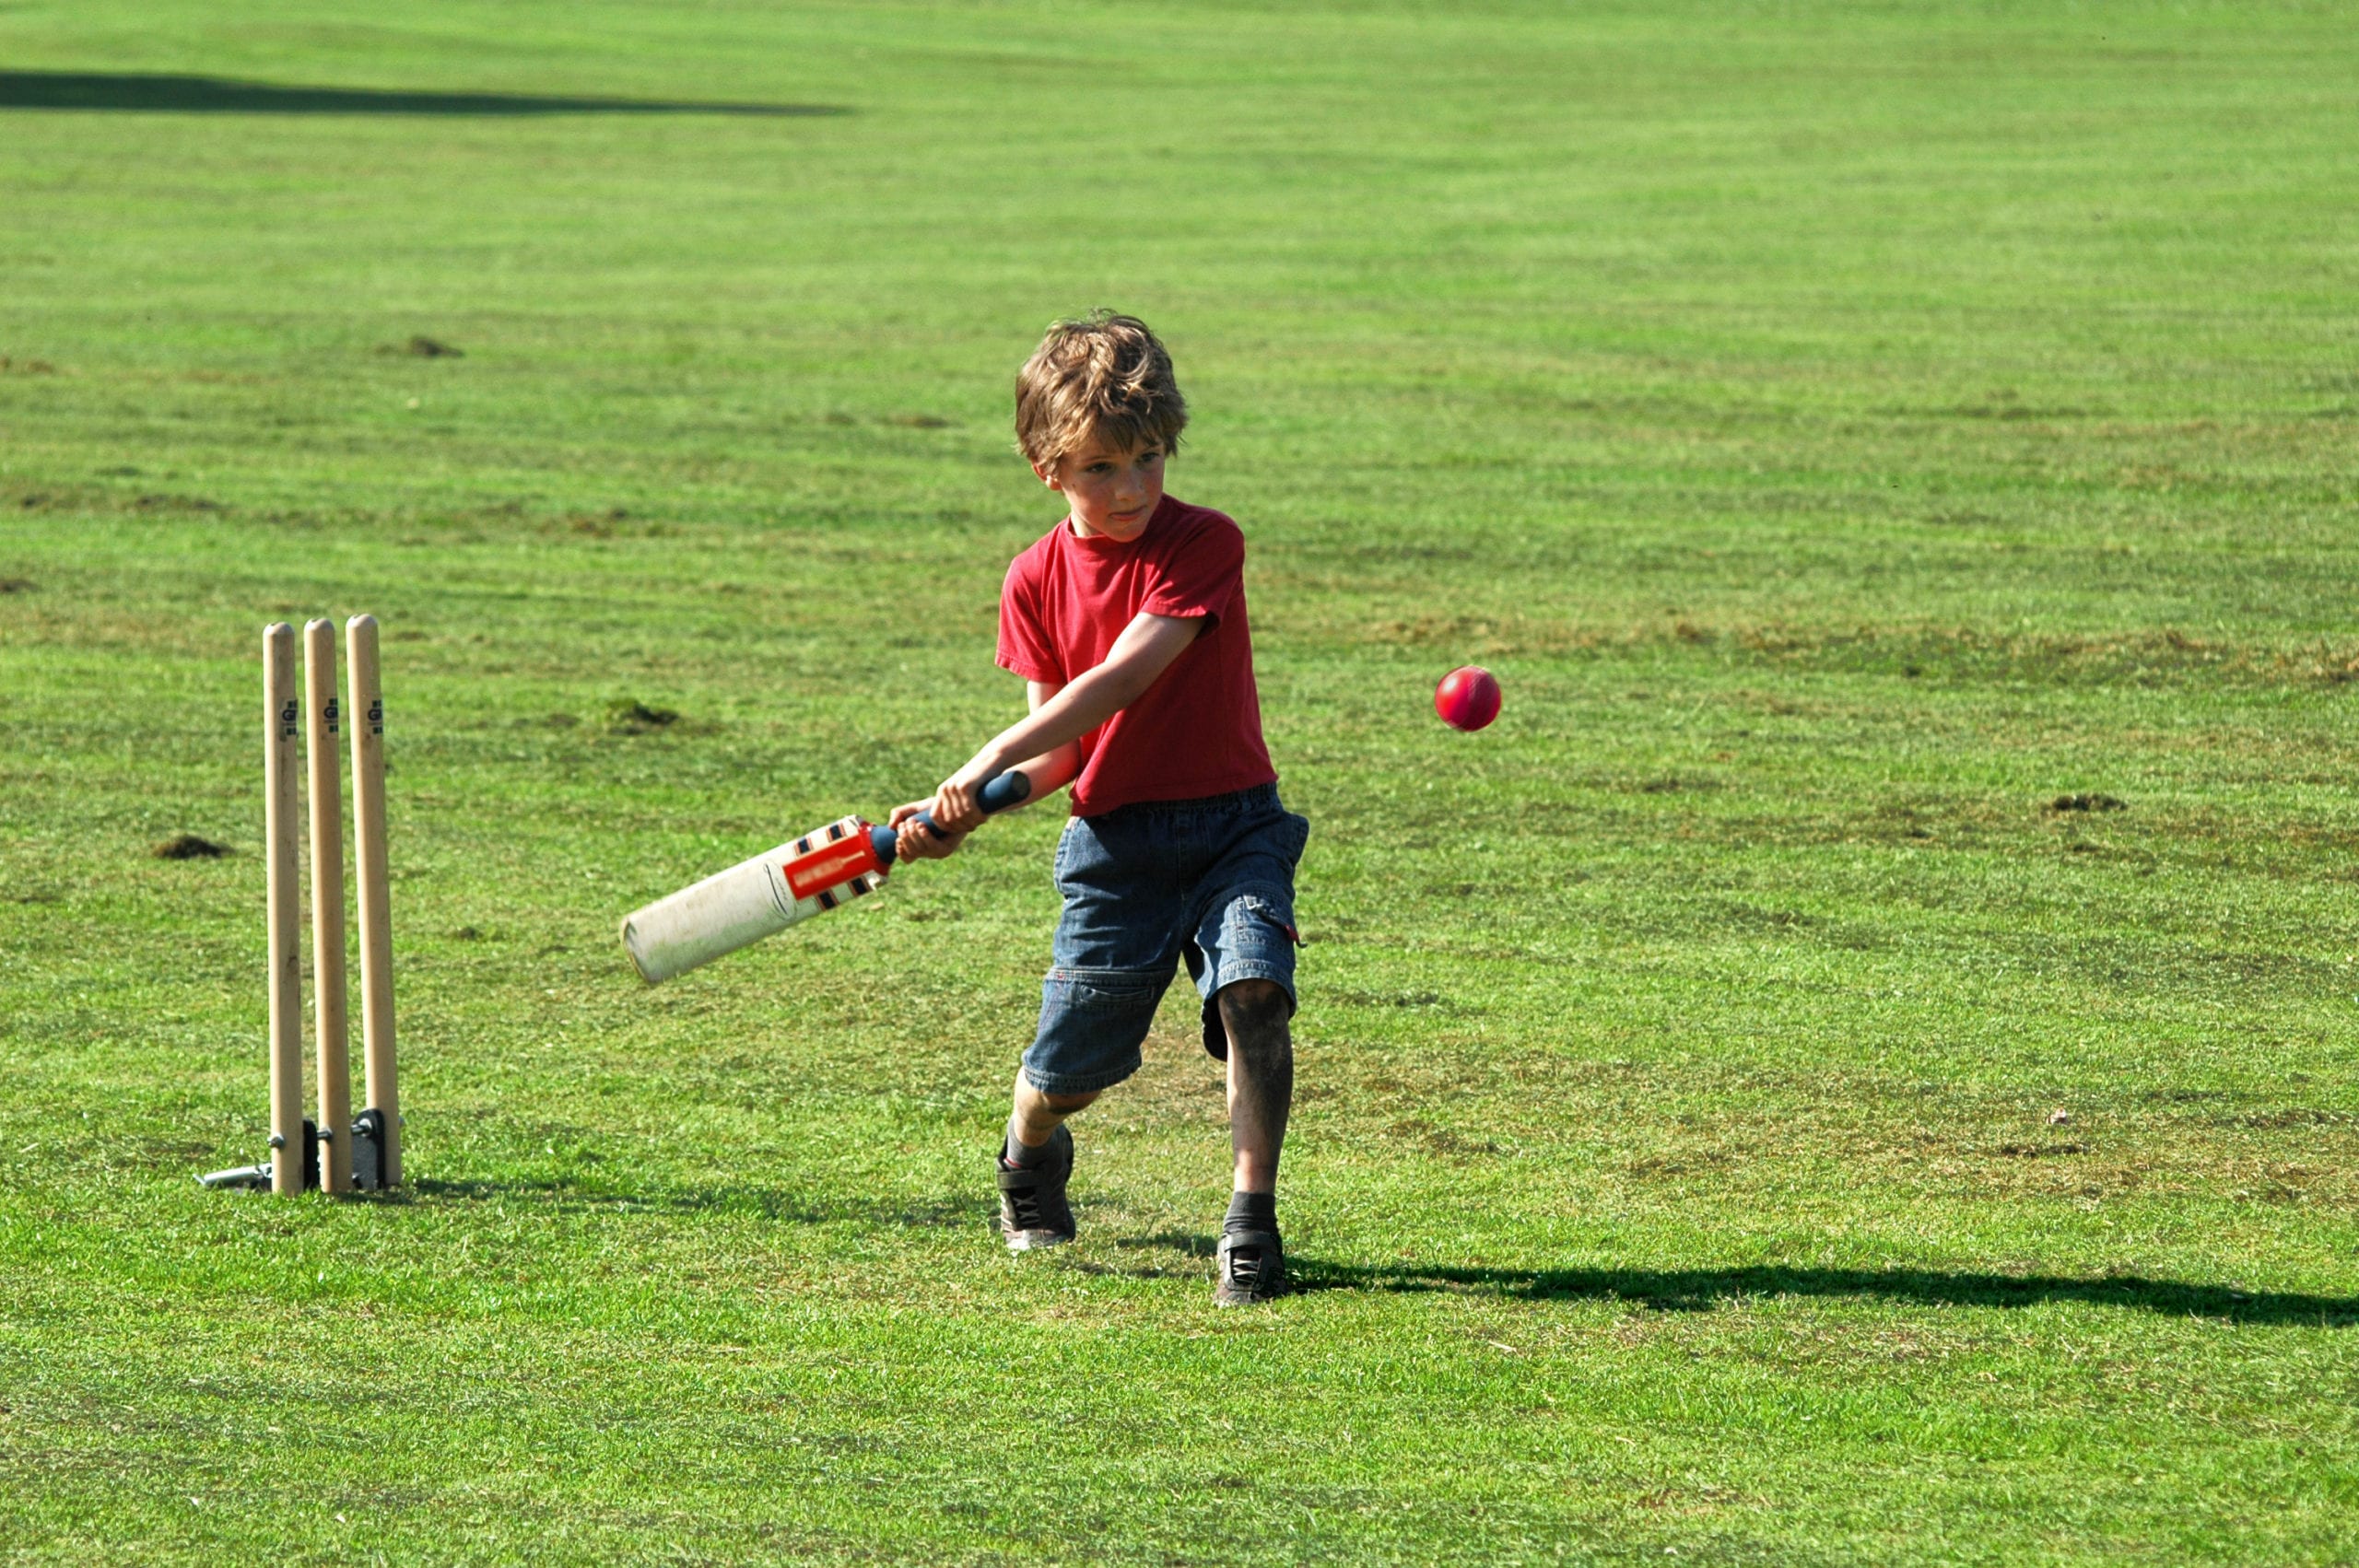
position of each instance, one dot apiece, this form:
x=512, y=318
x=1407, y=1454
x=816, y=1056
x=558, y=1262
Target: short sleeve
x=1023, y=643
x=1201, y=575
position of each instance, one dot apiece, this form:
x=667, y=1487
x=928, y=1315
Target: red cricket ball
x=1467, y=699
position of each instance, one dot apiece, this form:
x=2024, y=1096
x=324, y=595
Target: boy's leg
x=1092, y=1022
x=1036, y=1116
x=1034, y=1164
x=1112, y=963
x=1254, y=1015
x=1251, y=1264
x=1241, y=954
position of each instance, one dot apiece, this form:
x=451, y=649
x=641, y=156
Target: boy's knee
x=1056, y=1105
x=1255, y=1013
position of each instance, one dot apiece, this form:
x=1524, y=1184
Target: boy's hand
x=955, y=808
x=918, y=842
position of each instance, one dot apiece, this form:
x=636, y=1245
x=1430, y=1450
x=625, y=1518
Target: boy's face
x=1113, y=490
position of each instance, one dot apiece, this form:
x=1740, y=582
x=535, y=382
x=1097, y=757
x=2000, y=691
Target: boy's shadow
x=769, y=1204
x=1697, y=1290
x=120, y=92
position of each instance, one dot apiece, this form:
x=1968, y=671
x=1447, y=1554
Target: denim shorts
x=1146, y=887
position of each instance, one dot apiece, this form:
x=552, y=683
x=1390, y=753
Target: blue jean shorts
x=1148, y=886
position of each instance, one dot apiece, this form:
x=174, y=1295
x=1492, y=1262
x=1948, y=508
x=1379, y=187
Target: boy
x=1127, y=623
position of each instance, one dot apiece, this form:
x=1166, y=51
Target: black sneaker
x=1033, y=1212
x=1252, y=1269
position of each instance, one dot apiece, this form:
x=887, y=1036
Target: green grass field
x=1846, y=429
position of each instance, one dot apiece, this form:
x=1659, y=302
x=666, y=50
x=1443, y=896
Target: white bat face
x=846, y=860
x=752, y=899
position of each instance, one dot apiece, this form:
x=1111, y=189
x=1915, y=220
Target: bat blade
x=752, y=899
x=779, y=888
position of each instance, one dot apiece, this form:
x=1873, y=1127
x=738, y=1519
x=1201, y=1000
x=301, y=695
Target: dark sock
x=1250, y=1211
x=1016, y=1157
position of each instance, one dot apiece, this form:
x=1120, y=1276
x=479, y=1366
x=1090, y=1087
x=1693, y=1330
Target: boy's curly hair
x=1103, y=375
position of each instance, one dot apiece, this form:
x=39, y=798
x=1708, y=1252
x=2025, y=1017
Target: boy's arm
x=1054, y=769
x=1049, y=772
x=1137, y=660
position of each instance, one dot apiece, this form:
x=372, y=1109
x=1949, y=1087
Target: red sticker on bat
x=831, y=864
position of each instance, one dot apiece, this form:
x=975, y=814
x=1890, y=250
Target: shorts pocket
x=1252, y=910
x=1297, y=837
x=1104, y=993
x=1092, y=1023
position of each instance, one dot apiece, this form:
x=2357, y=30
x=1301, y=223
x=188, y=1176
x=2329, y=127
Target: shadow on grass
x=1173, y=1241
x=1660, y=1289
x=1697, y=1290
x=797, y=1208
x=84, y=90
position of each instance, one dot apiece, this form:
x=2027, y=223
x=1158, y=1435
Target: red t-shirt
x=1197, y=730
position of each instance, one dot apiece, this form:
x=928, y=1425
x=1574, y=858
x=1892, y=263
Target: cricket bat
x=824, y=869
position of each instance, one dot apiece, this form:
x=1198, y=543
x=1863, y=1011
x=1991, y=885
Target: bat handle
x=999, y=792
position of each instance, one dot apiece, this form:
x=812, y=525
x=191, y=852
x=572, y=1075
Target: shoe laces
x=1026, y=1207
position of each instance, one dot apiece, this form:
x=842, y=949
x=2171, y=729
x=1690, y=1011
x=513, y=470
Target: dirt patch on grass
x=1387, y=998
x=628, y=716
x=1692, y=1502
x=1491, y=637
x=2008, y=409
x=1912, y=651
x=424, y=347
x=1176, y=1085
x=613, y=523
x=2288, y=1117
x=2088, y=803
x=162, y=502
x=1654, y=1167
x=1439, y=1141
x=188, y=846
